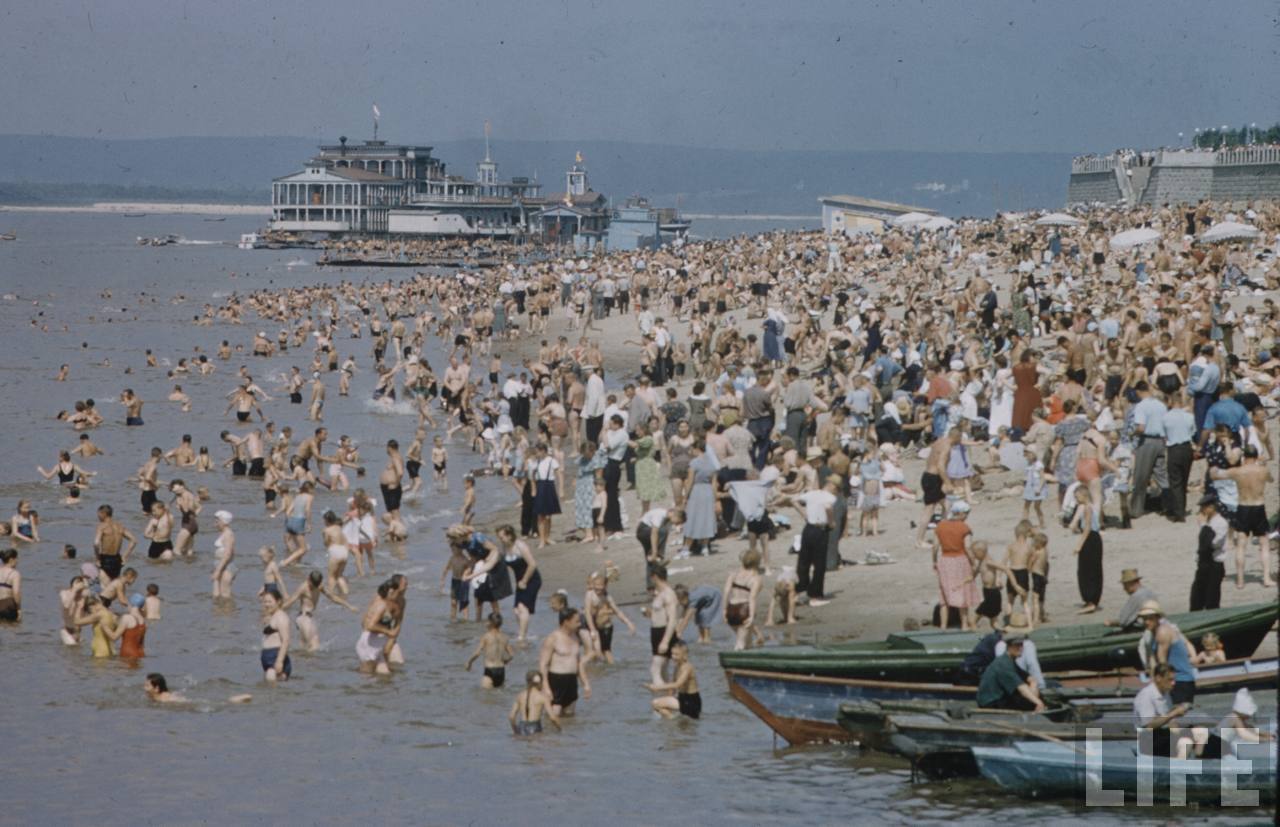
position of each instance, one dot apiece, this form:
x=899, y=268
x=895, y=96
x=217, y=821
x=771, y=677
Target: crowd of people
x=743, y=389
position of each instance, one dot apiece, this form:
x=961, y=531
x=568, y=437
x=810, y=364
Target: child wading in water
x=496, y=649
x=600, y=610
x=456, y=568
x=530, y=706
x=686, y=700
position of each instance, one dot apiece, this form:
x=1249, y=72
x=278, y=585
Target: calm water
x=426, y=744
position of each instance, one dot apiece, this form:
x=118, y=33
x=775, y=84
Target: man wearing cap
x=1179, y=433
x=1149, y=458
x=799, y=400
x=1138, y=594
x=1005, y=686
x=1211, y=555
x=1164, y=643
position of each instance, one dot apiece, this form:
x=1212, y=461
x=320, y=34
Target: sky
x=988, y=76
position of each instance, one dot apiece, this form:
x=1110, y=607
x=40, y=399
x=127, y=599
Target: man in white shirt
x=817, y=507
x=593, y=407
x=1154, y=712
x=615, y=446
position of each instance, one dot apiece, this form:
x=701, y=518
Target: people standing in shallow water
x=563, y=664
x=379, y=634
x=224, y=551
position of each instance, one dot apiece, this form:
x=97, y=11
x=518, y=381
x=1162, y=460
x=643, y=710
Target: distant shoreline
x=158, y=207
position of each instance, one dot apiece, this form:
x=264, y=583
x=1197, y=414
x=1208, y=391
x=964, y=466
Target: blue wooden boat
x=1084, y=771
x=803, y=709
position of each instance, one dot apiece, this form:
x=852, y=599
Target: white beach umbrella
x=1058, y=219
x=910, y=219
x=1134, y=238
x=1229, y=230
x=938, y=222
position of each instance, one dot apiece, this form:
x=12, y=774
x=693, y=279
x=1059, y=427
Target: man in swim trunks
x=563, y=664
x=107, y=540
x=1251, y=478
x=931, y=481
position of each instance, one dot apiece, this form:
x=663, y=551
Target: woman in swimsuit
x=159, y=531
x=133, y=629
x=188, y=505
x=275, y=637
x=65, y=470
x=10, y=586
x=307, y=596
x=379, y=634
x=528, y=579
x=24, y=527
x=336, y=544
x=224, y=551
x=741, y=590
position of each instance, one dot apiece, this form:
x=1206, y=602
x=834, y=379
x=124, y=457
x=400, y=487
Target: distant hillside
x=704, y=180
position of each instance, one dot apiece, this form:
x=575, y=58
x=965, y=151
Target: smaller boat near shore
x=8, y=236
x=159, y=241
x=1046, y=769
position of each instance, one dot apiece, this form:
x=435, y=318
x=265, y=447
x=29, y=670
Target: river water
x=330, y=745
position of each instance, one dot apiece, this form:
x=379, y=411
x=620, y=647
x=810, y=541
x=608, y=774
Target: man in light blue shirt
x=1202, y=382
x=1148, y=458
x=1179, y=434
x=1226, y=411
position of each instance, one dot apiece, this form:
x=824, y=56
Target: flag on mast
x=577, y=158
x=376, y=112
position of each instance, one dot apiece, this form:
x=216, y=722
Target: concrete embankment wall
x=1246, y=183
x=1093, y=187
x=1178, y=185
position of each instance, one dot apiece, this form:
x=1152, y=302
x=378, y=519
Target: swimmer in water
x=307, y=596
x=496, y=649
x=531, y=706
x=276, y=664
x=157, y=689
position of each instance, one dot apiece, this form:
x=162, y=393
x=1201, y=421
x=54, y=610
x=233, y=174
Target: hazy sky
x=989, y=76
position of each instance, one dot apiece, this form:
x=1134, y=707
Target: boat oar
x=1032, y=733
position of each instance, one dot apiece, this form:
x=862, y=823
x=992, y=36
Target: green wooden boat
x=936, y=656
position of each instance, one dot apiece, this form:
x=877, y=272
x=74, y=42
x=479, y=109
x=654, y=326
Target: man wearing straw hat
x=1138, y=594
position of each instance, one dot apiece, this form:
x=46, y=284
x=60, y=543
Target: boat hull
x=803, y=709
x=1044, y=770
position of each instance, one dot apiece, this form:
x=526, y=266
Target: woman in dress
x=700, y=507
x=295, y=523
x=528, y=579
x=1066, y=445
x=490, y=567
x=1003, y=388
x=1026, y=397
x=590, y=462
x=649, y=487
x=547, y=475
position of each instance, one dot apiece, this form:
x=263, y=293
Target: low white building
x=334, y=199
x=850, y=214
